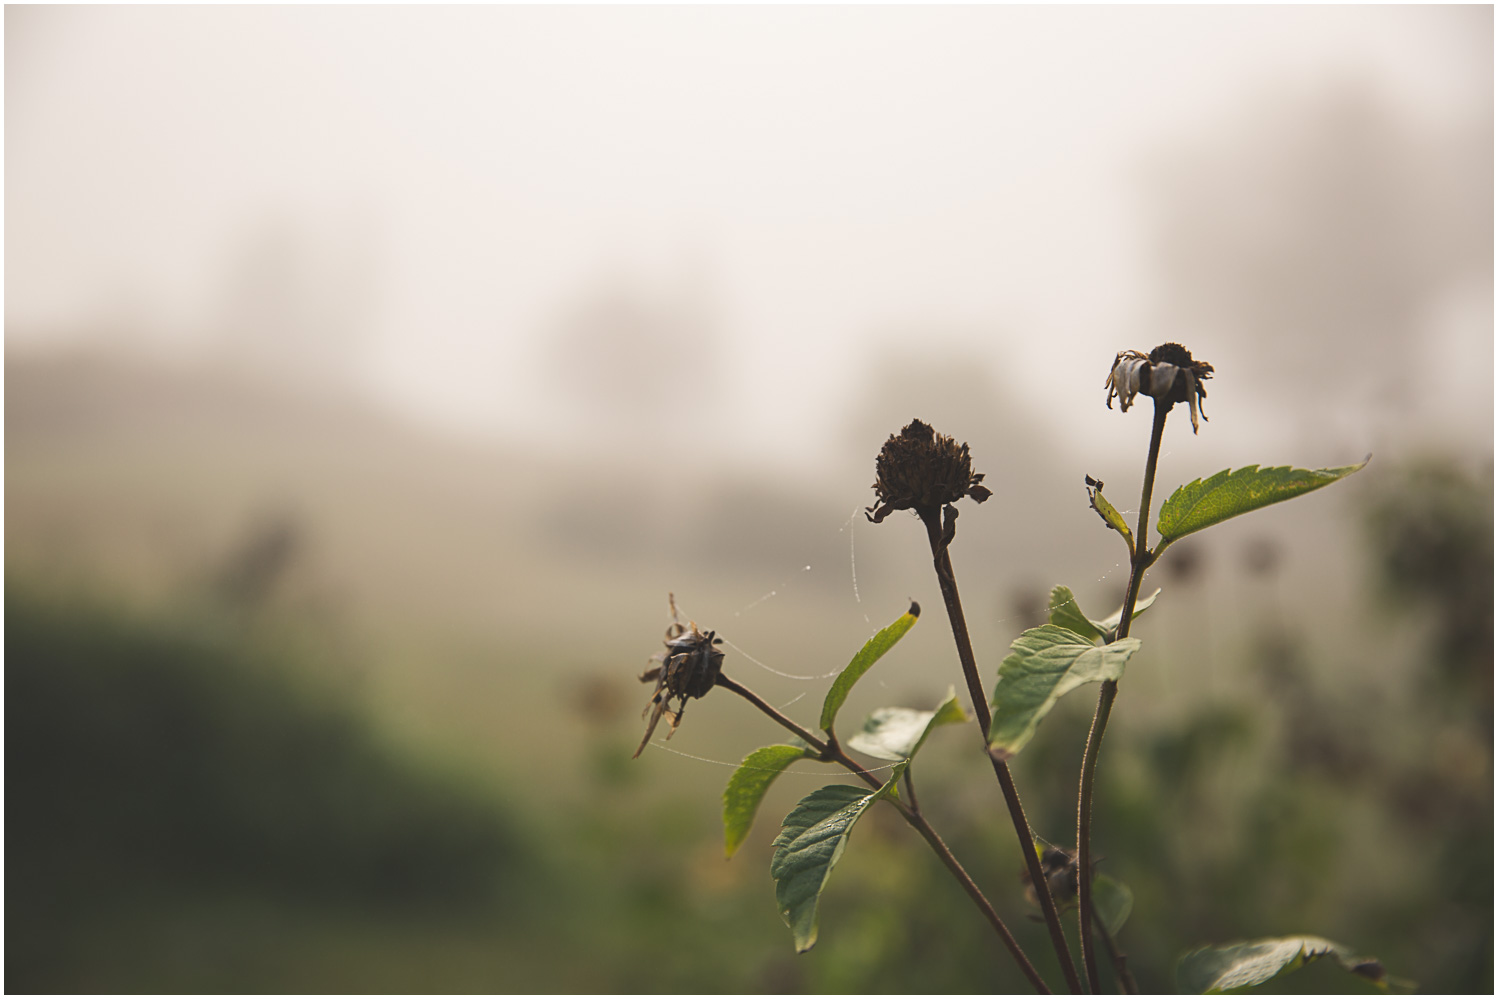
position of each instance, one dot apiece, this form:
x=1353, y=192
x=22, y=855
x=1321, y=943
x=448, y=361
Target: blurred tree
x=260, y=562
x=1325, y=230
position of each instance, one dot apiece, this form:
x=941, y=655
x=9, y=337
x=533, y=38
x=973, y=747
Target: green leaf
x=748, y=785
x=1112, y=901
x=1249, y=963
x=812, y=839
x=1110, y=516
x=1066, y=614
x=1110, y=625
x=897, y=733
x=1203, y=503
x=873, y=650
x=1045, y=664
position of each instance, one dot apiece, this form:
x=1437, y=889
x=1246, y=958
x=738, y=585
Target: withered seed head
x=1167, y=373
x=921, y=470
x=689, y=668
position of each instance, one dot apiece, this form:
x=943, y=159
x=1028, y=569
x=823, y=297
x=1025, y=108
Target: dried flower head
x=689, y=668
x=1167, y=373
x=921, y=470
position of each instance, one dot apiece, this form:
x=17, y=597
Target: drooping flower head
x=921, y=470
x=1168, y=374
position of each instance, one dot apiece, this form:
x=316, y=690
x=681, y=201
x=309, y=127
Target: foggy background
x=399, y=362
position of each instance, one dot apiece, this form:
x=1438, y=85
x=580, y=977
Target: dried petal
x=1124, y=378
x=1168, y=374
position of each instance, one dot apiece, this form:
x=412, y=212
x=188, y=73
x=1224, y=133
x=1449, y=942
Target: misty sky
x=775, y=195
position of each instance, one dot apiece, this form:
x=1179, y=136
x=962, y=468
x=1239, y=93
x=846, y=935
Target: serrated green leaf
x=875, y=648
x=1046, y=663
x=748, y=785
x=812, y=839
x=1112, y=901
x=1249, y=963
x=1111, y=517
x=1108, y=625
x=1066, y=614
x=897, y=733
x=1203, y=503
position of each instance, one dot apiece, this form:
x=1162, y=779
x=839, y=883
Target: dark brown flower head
x=689, y=668
x=1167, y=373
x=921, y=470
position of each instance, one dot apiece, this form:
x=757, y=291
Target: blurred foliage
x=1432, y=536
x=151, y=762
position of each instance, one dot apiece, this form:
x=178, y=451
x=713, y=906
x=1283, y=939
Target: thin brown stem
x=764, y=706
x=1084, y=827
x=1121, y=967
x=935, y=842
x=832, y=751
x=836, y=754
x=1138, y=563
x=948, y=583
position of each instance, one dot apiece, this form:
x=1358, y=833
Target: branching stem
x=1139, y=561
x=830, y=750
x=948, y=583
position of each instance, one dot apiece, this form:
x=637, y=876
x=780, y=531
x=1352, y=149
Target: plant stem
x=832, y=751
x=764, y=706
x=1121, y=968
x=948, y=583
x=1139, y=560
x=925, y=829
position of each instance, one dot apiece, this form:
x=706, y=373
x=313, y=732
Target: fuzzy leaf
x=1112, y=900
x=1046, y=663
x=897, y=733
x=1066, y=614
x=748, y=785
x=812, y=839
x=1203, y=503
x=1249, y=963
x=875, y=648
